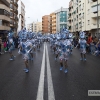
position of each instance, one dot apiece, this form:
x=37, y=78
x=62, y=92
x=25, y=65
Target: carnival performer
x=11, y=44
x=64, y=55
x=25, y=48
x=65, y=51
x=69, y=42
x=30, y=43
x=82, y=43
x=58, y=47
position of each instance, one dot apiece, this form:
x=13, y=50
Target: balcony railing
x=15, y=3
x=12, y=1
x=6, y=2
x=4, y=28
x=3, y=17
x=94, y=0
x=12, y=22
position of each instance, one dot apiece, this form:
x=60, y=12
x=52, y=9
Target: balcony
x=12, y=17
x=15, y=3
x=16, y=25
x=79, y=1
x=94, y=26
x=6, y=2
x=11, y=8
x=15, y=11
x=69, y=19
x=16, y=18
x=94, y=15
x=3, y=17
x=80, y=26
x=4, y=28
x=94, y=2
x=4, y=7
x=12, y=1
x=69, y=24
x=94, y=9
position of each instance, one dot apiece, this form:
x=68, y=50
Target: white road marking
x=51, y=95
x=40, y=92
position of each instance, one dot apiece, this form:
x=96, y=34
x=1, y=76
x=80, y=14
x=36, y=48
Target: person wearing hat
x=23, y=48
x=11, y=44
x=64, y=55
x=82, y=43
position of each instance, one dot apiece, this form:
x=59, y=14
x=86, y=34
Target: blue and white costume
x=11, y=45
x=82, y=43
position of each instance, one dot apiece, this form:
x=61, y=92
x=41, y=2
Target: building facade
x=46, y=24
x=53, y=23
x=30, y=27
x=4, y=16
x=37, y=27
x=13, y=15
x=61, y=19
x=84, y=16
x=21, y=15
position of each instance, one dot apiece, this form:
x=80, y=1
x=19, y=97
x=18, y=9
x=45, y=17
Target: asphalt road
x=46, y=80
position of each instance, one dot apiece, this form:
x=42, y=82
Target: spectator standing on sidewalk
x=2, y=47
x=90, y=42
x=7, y=43
x=5, y=46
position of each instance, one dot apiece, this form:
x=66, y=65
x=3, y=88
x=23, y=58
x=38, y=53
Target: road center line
x=41, y=80
x=51, y=95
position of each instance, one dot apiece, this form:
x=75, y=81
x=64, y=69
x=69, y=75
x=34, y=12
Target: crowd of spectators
x=4, y=44
x=92, y=46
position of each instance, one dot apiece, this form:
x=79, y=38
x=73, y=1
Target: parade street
x=45, y=81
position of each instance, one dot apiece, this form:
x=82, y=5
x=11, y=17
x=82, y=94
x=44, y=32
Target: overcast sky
x=35, y=9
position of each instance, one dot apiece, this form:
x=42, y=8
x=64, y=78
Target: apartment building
x=95, y=17
x=83, y=16
x=37, y=27
x=13, y=15
x=61, y=19
x=30, y=27
x=4, y=16
x=46, y=24
x=21, y=15
x=53, y=23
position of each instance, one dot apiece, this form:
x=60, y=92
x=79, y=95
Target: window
x=83, y=16
x=4, y=12
x=83, y=24
x=99, y=20
x=80, y=7
x=74, y=19
x=88, y=22
x=1, y=12
x=0, y=22
x=83, y=6
x=88, y=11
